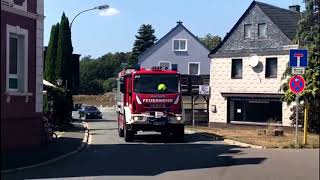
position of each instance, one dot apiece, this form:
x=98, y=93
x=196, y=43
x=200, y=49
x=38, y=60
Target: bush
x=313, y=118
x=300, y=116
x=109, y=84
x=59, y=104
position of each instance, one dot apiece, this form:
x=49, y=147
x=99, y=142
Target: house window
x=247, y=31
x=179, y=45
x=17, y=65
x=13, y=62
x=271, y=67
x=236, y=69
x=262, y=30
x=194, y=68
x=164, y=64
x=17, y=4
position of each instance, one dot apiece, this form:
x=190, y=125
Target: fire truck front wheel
x=128, y=134
x=120, y=131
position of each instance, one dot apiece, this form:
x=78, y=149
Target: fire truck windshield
x=165, y=84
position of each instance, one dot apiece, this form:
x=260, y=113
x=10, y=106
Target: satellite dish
x=253, y=60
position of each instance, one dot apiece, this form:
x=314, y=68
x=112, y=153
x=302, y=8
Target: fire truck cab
x=149, y=100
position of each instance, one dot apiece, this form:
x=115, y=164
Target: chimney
x=294, y=8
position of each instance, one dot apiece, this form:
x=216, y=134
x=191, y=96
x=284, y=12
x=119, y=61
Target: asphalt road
x=151, y=157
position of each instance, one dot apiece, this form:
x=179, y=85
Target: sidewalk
x=66, y=143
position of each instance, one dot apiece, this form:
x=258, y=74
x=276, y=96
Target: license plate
x=158, y=114
x=158, y=123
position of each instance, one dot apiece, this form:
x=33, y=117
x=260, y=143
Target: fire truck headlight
x=136, y=118
x=179, y=118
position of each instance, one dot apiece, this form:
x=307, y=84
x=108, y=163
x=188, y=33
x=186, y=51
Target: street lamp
x=102, y=7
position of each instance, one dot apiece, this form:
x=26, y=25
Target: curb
x=229, y=141
x=81, y=147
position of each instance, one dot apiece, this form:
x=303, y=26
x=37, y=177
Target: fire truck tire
x=128, y=135
x=120, y=131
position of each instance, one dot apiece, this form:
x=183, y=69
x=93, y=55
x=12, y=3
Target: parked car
x=89, y=112
x=77, y=107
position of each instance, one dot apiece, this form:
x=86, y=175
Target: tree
x=210, y=41
x=51, y=57
x=98, y=75
x=308, y=37
x=144, y=40
x=64, y=53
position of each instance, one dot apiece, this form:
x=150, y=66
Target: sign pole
x=305, y=129
x=297, y=118
x=192, y=107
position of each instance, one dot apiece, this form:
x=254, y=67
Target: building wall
x=253, y=81
x=163, y=52
x=21, y=124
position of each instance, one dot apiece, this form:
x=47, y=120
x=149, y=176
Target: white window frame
x=11, y=3
x=265, y=30
x=165, y=62
x=19, y=32
x=186, y=47
x=250, y=31
x=198, y=67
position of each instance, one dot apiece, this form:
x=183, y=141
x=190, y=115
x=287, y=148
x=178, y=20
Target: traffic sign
x=298, y=70
x=204, y=89
x=298, y=58
x=297, y=84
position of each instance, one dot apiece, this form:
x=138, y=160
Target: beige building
x=247, y=66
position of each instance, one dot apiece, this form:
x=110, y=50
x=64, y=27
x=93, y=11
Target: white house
x=244, y=89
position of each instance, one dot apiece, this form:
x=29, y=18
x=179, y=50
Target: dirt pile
x=107, y=99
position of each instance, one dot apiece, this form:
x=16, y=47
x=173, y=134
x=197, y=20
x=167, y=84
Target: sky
x=96, y=32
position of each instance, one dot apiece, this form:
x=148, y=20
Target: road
x=151, y=157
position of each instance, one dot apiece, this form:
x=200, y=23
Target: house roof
x=179, y=24
x=286, y=20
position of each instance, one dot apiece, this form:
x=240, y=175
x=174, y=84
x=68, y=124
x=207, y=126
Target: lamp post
x=102, y=7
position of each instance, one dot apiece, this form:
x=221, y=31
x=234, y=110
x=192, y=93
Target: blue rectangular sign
x=298, y=58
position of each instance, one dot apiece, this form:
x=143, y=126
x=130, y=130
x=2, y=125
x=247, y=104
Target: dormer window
x=247, y=31
x=179, y=45
x=262, y=30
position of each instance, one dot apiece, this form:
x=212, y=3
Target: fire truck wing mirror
x=122, y=88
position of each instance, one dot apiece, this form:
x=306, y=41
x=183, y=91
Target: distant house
x=244, y=90
x=21, y=73
x=180, y=47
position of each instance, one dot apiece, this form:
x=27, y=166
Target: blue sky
x=96, y=35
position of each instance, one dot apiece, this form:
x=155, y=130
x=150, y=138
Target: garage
x=253, y=108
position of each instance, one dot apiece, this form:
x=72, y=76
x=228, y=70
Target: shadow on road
x=157, y=138
x=143, y=159
x=99, y=120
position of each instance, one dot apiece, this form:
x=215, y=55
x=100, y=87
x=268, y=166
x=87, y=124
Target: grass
x=250, y=136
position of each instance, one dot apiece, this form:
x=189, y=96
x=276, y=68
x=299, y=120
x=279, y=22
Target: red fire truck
x=149, y=100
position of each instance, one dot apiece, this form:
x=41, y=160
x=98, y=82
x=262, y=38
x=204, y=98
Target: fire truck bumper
x=155, y=124
x=152, y=127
